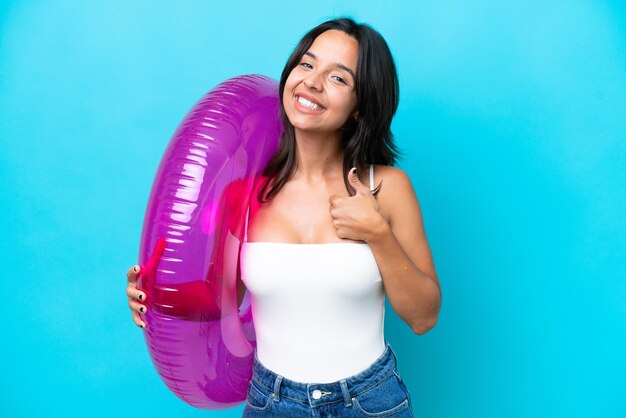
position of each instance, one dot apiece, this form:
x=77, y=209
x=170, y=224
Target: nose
x=312, y=81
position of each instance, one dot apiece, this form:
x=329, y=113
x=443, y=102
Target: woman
x=350, y=227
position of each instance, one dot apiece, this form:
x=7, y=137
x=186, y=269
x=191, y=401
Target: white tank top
x=318, y=309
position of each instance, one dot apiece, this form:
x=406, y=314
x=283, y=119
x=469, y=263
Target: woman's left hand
x=357, y=217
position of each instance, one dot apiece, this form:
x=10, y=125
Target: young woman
x=337, y=229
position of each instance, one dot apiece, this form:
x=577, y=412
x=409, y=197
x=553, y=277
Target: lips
x=308, y=103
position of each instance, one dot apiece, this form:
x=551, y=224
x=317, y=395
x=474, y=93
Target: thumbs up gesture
x=357, y=217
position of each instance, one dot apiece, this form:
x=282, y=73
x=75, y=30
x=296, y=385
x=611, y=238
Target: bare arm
x=394, y=230
x=403, y=254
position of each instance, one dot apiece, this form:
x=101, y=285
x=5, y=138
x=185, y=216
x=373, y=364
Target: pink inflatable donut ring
x=201, y=342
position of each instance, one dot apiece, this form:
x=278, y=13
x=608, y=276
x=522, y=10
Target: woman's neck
x=318, y=156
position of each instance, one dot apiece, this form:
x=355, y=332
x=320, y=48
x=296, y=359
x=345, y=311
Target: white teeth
x=304, y=102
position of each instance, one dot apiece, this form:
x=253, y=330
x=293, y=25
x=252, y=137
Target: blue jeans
x=377, y=391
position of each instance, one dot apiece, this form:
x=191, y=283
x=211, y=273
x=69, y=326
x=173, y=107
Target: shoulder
x=244, y=186
x=391, y=180
x=240, y=191
x=396, y=193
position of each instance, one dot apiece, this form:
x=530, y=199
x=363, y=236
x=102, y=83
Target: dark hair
x=366, y=139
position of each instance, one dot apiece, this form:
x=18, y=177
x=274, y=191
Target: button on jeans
x=377, y=391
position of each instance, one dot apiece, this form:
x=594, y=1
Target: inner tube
x=201, y=343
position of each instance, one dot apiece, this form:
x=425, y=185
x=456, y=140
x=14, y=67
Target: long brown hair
x=366, y=139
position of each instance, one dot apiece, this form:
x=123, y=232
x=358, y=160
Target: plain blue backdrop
x=512, y=120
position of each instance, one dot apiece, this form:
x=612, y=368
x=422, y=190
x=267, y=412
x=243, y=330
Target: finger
x=149, y=270
x=334, y=200
x=159, y=249
x=133, y=292
x=333, y=212
x=137, y=320
x=137, y=307
x=356, y=183
x=132, y=274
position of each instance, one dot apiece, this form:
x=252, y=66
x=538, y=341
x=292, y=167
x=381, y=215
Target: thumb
x=148, y=271
x=356, y=183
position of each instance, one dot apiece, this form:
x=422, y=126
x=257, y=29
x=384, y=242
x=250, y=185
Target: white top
x=318, y=309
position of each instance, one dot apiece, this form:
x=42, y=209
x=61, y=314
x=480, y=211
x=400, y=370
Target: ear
x=355, y=113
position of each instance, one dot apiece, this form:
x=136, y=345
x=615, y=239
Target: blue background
x=513, y=125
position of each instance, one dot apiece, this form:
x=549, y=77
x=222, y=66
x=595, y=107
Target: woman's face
x=320, y=94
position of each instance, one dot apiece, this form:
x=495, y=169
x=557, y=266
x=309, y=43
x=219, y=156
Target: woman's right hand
x=194, y=299
x=136, y=297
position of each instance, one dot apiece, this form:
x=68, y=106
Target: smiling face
x=320, y=92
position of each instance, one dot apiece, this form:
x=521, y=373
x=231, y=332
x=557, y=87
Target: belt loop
x=346, y=393
x=276, y=393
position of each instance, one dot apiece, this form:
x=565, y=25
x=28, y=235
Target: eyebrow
x=338, y=64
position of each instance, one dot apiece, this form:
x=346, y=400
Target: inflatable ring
x=201, y=342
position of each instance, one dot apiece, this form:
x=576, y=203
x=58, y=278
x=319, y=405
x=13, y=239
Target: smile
x=308, y=104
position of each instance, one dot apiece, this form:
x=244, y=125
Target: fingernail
x=140, y=296
x=141, y=309
x=136, y=269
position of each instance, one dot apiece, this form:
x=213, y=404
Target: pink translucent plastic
x=202, y=344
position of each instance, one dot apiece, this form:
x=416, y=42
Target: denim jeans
x=377, y=391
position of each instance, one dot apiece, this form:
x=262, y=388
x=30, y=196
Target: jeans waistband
x=324, y=393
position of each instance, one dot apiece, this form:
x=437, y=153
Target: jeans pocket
x=386, y=399
x=258, y=399
x=406, y=390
